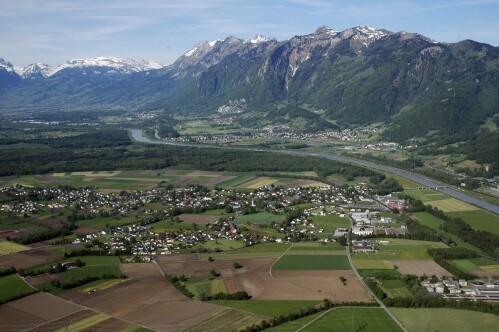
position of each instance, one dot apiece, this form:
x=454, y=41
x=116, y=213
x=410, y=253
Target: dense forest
x=112, y=149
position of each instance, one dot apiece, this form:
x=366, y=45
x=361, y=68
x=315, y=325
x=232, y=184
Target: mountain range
x=416, y=86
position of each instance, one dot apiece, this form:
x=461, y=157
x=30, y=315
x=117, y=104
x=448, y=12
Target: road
x=381, y=304
x=425, y=182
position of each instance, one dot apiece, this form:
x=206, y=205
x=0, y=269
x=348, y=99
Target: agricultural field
x=12, y=287
x=90, y=271
x=206, y=288
x=7, y=247
x=422, y=319
x=199, y=219
x=36, y=310
x=395, y=288
x=312, y=262
x=482, y=267
x=426, y=195
x=267, y=308
x=420, y=268
x=400, y=249
x=226, y=320
x=259, y=218
x=452, y=205
x=147, y=179
x=28, y=258
x=433, y=222
x=343, y=319
x=479, y=219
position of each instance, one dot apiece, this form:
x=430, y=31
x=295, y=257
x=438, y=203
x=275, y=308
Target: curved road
x=425, y=182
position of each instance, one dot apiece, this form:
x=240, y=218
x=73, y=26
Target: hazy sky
x=53, y=31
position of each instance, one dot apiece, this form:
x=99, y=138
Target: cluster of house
x=277, y=131
x=141, y=240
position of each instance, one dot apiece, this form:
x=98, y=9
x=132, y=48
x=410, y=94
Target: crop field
x=395, y=288
x=226, y=320
x=379, y=273
x=482, y=267
x=400, y=249
x=292, y=285
x=103, y=222
x=28, y=258
x=85, y=323
x=305, y=183
x=422, y=319
x=7, y=247
x=12, y=286
x=200, y=219
x=89, y=271
x=420, y=268
x=258, y=182
x=372, y=264
x=343, y=319
x=34, y=310
x=311, y=262
x=426, y=195
x=151, y=302
x=207, y=288
x=479, y=219
x=260, y=218
x=87, y=260
x=452, y=205
x=199, y=269
x=237, y=180
x=267, y=308
x=316, y=248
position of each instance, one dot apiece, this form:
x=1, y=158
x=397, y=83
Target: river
x=425, y=182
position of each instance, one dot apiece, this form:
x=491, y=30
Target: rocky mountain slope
x=353, y=77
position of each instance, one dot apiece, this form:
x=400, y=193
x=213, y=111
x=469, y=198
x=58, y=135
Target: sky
x=53, y=31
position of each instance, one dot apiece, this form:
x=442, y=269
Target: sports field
x=311, y=262
x=260, y=218
x=330, y=222
x=445, y=320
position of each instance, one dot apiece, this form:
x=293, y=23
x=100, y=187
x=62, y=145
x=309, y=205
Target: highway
x=425, y=182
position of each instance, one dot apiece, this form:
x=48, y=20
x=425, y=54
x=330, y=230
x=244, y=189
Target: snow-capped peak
x=6, y=65
x=201, y=49
x=117, y=65
x=258, y=39
x=213, y=42
x=34, y=70
x=371, y=32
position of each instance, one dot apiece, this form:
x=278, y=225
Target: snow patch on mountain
x=124, y=66
x=258, y=39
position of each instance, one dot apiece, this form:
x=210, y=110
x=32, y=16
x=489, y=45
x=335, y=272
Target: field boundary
x=282, y=255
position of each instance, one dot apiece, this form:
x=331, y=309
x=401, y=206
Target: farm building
x=363, y=246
